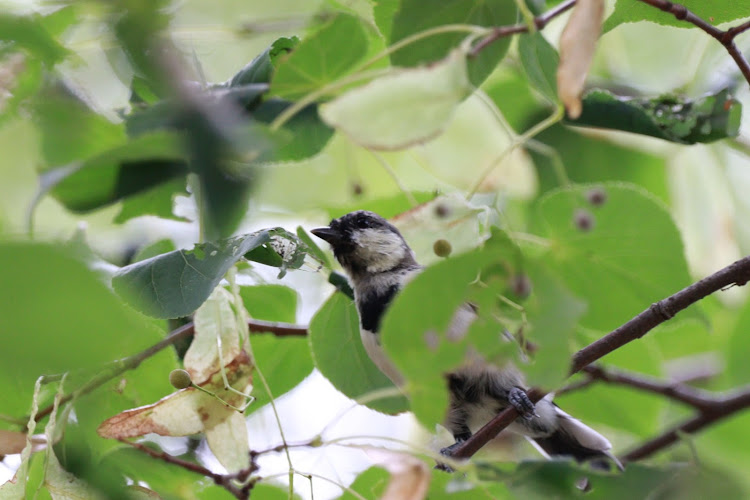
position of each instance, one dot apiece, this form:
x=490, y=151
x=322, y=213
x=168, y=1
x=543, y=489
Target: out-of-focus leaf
x=553, y=314
x=410, y=476
x=126, y=170
x=154, y=249
x=341, y=358
x=321, y=58
x=384, y=12
x=313, y=247
x=30, y=33
x=157, y=201
x=306, y=132
x=577, y=46
x=539, y=60
x=20, y=77
x=260, y=69
x=401, y=109
x=423, y=346
x=70, y=321
x=270, y=302
x=369, y=484
x=717, y=11
x=627, y=256
x=588, y=159
x=284, y=362
x=672, y=118
x=62, y=143
x=411, y=19
x=175, y=284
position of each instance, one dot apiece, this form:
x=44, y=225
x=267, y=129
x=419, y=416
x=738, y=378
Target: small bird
x=379, y=263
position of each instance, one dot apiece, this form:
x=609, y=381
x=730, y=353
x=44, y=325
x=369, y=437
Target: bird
x=379, y=263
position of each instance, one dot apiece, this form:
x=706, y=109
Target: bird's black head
x=365, y=243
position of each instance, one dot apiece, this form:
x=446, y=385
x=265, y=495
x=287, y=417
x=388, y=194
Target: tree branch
x=187, y=330
x=226, y=481
x=504, y=31
x=737, y=273
x=726, y=38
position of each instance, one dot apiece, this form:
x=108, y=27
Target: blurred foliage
x=176, y=136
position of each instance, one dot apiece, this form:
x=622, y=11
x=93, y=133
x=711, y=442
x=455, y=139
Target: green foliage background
x=113, y=168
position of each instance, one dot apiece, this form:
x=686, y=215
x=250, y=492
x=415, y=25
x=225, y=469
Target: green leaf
x=283, y=250
x=403, y=108
x=630, y=257
x=30, y=33
x=321, y=58
x=553, y=314
x=370, y=483
x=156, y=248
x=270, y=302
x=61, y=318
x=414, y=17
x=284, y=362
x=341, y=358
x=306, y=132
x=143, y=163
x=175, y=284
x=587, y=158
x=24, y=77
x=313, y=247
x=717, y=12
x=260, y=69
x=93, y=134
x=539, y=60
x=384, y=12
x=415, y=329
x=685, y=121
x=157, y=200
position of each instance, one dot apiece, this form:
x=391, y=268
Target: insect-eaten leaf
x=189, y=411
x=404, y=108
x=175, y=284
x=669, y=117
x=577, y=46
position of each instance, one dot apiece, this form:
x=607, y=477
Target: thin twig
x=737, y=273
x=223, y=480
x=726, y=38
x=187, y=330
x=503, y=31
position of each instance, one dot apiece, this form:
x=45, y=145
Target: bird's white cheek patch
x=380, y=250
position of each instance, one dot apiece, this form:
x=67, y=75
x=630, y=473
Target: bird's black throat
x=372, y=307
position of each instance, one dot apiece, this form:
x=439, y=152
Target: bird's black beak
x=326, y=233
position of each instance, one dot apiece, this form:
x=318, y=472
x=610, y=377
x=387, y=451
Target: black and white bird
x=379, y=263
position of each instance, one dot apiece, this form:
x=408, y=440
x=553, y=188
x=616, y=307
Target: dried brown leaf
x=577, y=46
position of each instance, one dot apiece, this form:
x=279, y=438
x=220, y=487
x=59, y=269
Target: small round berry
x=596, y=196
x=584, y=220
x=521, y=285
x=357, y=189
x=442, y=248
x=442, y=211
x=180, y=379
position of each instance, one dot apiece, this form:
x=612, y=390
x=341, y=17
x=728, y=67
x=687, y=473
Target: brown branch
x=226, y=481
x=726, y=38
x=737, y=273
x=504, y=31
x=187, y=330
x=720, y=408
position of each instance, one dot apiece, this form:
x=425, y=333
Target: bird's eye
x=363, y=223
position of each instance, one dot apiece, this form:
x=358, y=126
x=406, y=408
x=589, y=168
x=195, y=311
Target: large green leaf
x=321, y=58
x=284, y=361
x=31, y=33
x=672, y=118
x=175, y=284
x=414, y=17
x=340, y=356
x=403, y=108
x=717, y=11
x=619, y=256
x=415, y=330
x=58, y=317
x=261, y=68
x=270, y=302
x=143, y=163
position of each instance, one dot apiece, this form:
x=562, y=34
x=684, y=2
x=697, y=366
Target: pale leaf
x=406, y=107
x=577, y=46
x=227, y=439
x=215, y=324
x=410, y=477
